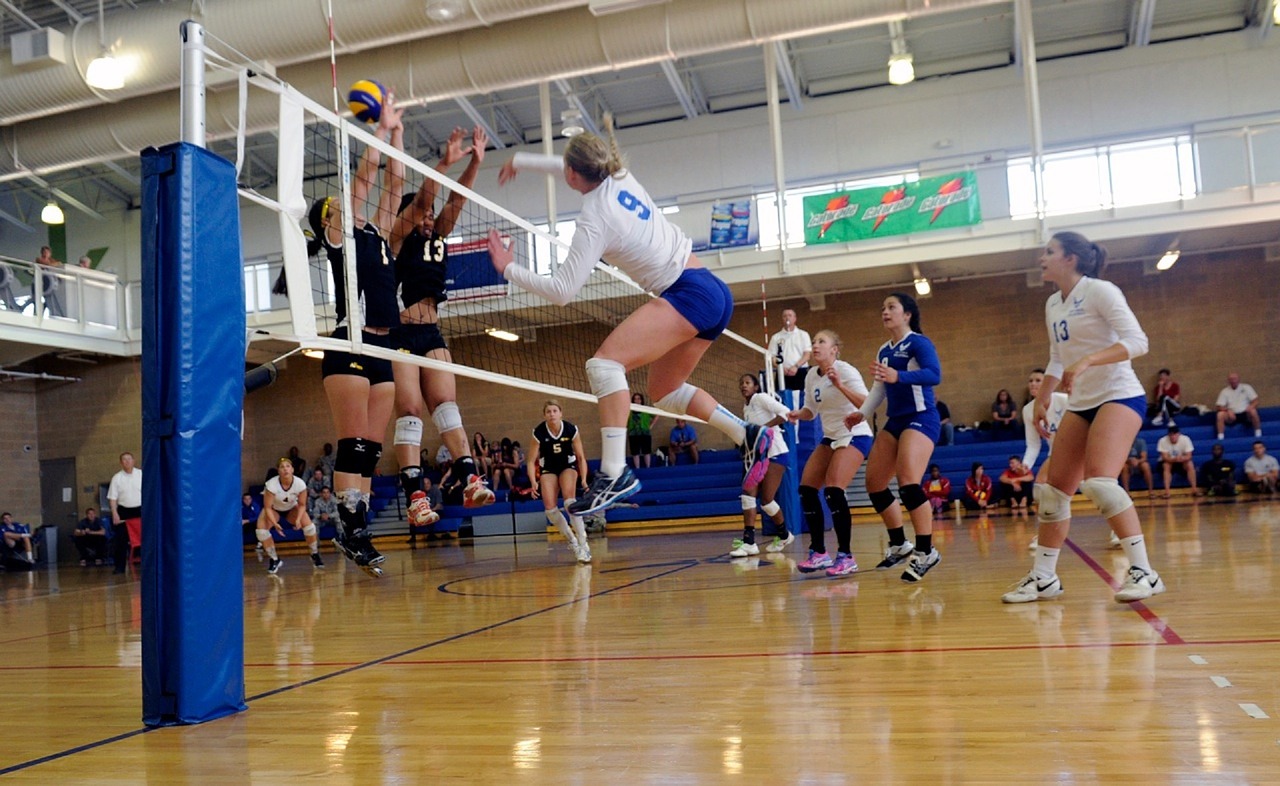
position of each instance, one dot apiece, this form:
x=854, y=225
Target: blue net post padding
x=193, y=345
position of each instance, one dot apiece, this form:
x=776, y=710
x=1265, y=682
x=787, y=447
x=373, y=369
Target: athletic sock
x=1046, y=563
x=729, y=424
x=613, y=449
x=748, y=534
x=924, y=543
x=1135, y=548
x=897, y=536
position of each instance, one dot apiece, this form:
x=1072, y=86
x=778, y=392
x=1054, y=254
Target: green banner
x=931, y=203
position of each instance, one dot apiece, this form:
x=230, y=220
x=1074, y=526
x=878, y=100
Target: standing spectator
x=90, y=538
x=977, y=488
x=1237, y=403
x=640, y=434
x=1218, y=474
x=86, y=263
x=938, y=489
x=948, y=434
x=684, y=439
x=15, y=534
x=125, y=497
x=792, y=348
x=325, y=463
x=1166, y=400
x=50, y=286
x=1004, y=415
x=1175, y=456
x=1137, y=460
x=1015, y=483
x=298, y=462
x=1261, y=470
x=325, y=508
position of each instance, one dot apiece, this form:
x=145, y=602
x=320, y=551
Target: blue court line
x=284, y=689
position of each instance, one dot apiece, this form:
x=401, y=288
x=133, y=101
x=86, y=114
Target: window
x=541, y=251
x=257, y=287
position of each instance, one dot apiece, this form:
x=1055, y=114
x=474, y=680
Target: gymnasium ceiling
x=975, y=35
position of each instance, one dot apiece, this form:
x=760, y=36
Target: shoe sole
x=843, y=573
x=912, y=578
x=804, y=569
x=774, y=548
x=1156, y=590
x=615, y=498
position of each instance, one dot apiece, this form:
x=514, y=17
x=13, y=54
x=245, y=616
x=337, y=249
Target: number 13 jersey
x=1093, y=316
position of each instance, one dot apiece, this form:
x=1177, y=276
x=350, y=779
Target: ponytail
x=615, y=163
x=1091, y=258
x=595, y=158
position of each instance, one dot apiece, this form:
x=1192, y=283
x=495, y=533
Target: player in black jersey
x=421, y=252
x=360, y=389
x=556, y=464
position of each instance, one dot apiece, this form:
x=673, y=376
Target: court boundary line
x=1157, y=624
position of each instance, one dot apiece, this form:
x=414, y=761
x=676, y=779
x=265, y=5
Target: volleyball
x=365, y=100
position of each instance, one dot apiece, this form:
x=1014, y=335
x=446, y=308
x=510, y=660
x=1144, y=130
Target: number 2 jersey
x=830, y=405
x=1092, y=317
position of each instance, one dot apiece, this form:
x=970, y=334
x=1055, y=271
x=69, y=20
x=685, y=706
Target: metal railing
x=64, y=294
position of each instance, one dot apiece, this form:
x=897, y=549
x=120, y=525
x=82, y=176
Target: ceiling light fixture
x=922, y=286
x=106, y=72
x=501, y=335
x=314, y=354
x=444, y=10
x=901, y=66
x=1169, y=259
x=52, y=214
x=572, y=121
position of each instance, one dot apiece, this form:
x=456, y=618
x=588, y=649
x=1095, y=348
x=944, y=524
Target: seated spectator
x=1261, y=470
x=1137, y=460
x=1218, y=475
x=314, y=485
x=683, y=439
x=480, y=452
x=17, y=538
x=90, y=537
x=324, y=510
x=948, y=434
x=1175, y=456
x=298, y=462
x=1166, y=400
x=1238, y=403
x=504, y=465
x=1016, y=483
x=325, y=463
x=977, y=488
x=249, y=512
x=938, y=489
x=444, y=461
x=1004, y=416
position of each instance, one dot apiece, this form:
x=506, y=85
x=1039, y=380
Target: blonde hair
x=595, y=158
x=832, y=335
x=551, y=403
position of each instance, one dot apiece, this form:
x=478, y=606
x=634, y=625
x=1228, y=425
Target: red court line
x=1151, y=618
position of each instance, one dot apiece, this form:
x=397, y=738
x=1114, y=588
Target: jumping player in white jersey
x=555, y=463
x=1093, y=335
x=833, y=389
x=762, y=410
x=286, y=495
x=620, y=224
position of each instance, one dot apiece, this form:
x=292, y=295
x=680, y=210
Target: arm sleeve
x=775, y=407
x=930, y=371
x=1115, y=309
x=588, y=244
x=1054, y=367
x=874, y=397
x=539, y=162
x=1033, y=436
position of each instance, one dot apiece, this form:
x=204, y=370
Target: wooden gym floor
x=504, y=662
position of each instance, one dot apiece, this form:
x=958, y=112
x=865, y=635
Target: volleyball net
x=496, y=331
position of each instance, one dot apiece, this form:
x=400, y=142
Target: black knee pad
x=836, y=500
x=350, y=458
x=810, y=502
x=373, y=454
x=913, y=496
x=881, y=500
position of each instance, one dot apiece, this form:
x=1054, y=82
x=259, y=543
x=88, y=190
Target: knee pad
x=748, y=501
x=264, y=535
x=836, y=500
x=1035, y=492
x=771, y=508
x=606, y=376
x=447, y=417
x=912, y=496
x=677, y=401
x=1107, y=495
x=408, y=430
x=350, y=499
x=373, y=454
x=881, y=500
x=350, y=458
x=1054, y=505
x=309, y=530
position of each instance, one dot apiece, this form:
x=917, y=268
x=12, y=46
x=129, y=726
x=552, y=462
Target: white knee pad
x=408, y=430
x=1054, y=505
x=1107, y=495
x=309, y=530
x=748, y=501
x=677, y=401
x=350, y=499
x=771, y=508
x=264, y=535
x=606, y=376
x=447, y=417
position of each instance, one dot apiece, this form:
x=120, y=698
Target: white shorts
x=779, y=446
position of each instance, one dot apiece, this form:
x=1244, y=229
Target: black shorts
x=417, y=339
x=376, y=370
x=550, y=466
x=640, y=444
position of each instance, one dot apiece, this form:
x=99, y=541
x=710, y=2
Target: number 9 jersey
x=1094, y=315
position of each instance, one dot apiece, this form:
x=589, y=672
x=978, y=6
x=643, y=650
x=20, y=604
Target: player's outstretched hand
x=499, y=253
x=507, y=173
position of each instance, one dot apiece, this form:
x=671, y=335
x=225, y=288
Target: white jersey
x=1053, y=418
x=1237, y=399
x=789, y=346
x=1092, y=317
x=763, y=408
x=620, y=224
x=830, y=405
x=285, y=500
x=1183, y=447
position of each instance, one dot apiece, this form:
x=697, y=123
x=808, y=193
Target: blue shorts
x=926, y=423
x=1136, y=403
x=702, y=299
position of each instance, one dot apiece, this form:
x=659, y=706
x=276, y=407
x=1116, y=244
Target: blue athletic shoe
x=606, y=491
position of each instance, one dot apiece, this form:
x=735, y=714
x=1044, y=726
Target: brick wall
x=19, y=468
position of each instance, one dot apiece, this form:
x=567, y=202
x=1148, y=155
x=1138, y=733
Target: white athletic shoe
x=1139, y=584
x=1032, y=589
x=895, y=555
x=780, y=544
x=583, y=552
x=420, y=512
x=477, y=494
x=743, y=549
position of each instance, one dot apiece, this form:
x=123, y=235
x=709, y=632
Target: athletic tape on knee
x=912, y=496
x=771, y=508
x=264, y=535
x=881, y=500
x=1054, y=505
x=748, y=501
x=1107, y=495
x=309, y=530
x=408, y=430
x=606, y=376
x=677, y=401
x=350, y=458
x=372, y=456
x=447, y=417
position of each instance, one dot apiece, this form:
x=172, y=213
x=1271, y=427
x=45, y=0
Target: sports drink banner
x=718, y=224
x=930, y=203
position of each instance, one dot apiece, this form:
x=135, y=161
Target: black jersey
x=375, y=279
x=555, y=452
x=420, y=267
